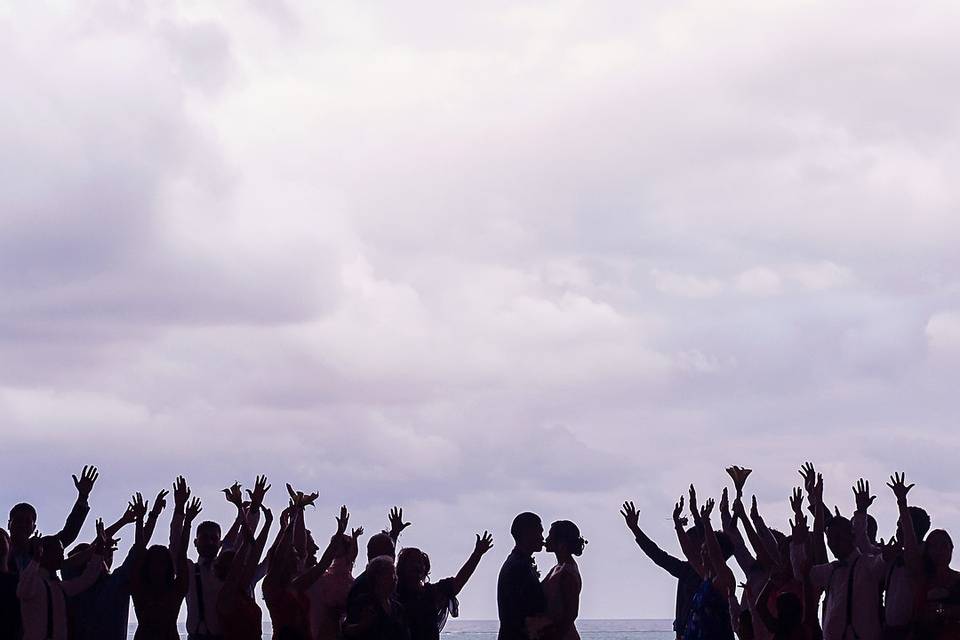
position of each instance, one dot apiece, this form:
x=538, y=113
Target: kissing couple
x=531, y=609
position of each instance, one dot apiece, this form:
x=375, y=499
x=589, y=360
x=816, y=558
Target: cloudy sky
x=476, y=258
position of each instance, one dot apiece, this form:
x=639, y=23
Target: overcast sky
x=478, y=258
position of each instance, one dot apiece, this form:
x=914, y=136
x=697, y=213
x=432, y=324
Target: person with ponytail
x=563, y=583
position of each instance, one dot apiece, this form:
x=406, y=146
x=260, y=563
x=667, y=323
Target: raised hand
x=84, y=483
x=694, y=511
x=484, y=543
x=259, y=491
x=815, y=491
x=193, y=509
x=707, y=508
x=397, y=525
x=798, y=526
x=796, y=500
x=809, y=475
x=301, y=499
x=104, y=543
x=677, y=510
x=234, y=495
x=631, y=516
x=160, y=503
x=356, y=533
x=889, y=550
x=861, y=493
x=739, y=476
x=181, y=492
x=899, y=486
x=342, y=520
x=138, y=506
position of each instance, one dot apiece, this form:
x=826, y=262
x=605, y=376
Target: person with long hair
x=562, y=585
x=426, y=604
x=326, y=584
x=159, y=582
x=380, y=615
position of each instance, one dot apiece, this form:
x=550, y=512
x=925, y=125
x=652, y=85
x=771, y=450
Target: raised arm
x=672, y=565
x=78, y=514
x=181, y=493
x=484, y=543
x=725, y=581
x=813, y=482
x=911, y=546
x=689, y=549
x=740, y=514
x=766, y=537
x=863, y=500
x=182, y=582
x=306, y=579
x=397, y=525
x=729, y=526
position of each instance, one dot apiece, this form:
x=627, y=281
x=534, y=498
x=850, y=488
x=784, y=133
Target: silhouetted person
x=379, y=545
x=709, y=617
x=22, y=523
x=9, y=604
x=43, y=596
x=240, y=615
x=426, y=604
x=326, y=583
x=688, y=580
x=519, y=592
x=380, y=616
x=102, y=611
x=159, y=581
x=283, y=587
x=563, y=584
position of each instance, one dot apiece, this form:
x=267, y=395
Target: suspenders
x=46, y=585
x=848, y=621
x=200, y=605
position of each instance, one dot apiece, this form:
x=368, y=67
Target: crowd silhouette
x=873, y=589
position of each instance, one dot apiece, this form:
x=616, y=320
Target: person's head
x=921, y=523
x=383, y=576
x=565, y=539
x=937, y=551
x=221, y=566
x=158, y=570
x=22, y=523
x=726, y=548
x=413, y=567
x=51, y=553
x=789, y=611
x=72, y=568
x=527, y=532
x=840, y=537
x=4, y=549
x=381, y=544
x=207, y=541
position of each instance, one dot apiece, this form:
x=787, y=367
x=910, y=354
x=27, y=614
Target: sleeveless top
x=553, y=591
x=709, y=615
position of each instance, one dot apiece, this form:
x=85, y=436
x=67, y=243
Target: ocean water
x=589, y=630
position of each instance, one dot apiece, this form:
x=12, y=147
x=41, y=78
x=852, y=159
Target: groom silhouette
x=519, y=594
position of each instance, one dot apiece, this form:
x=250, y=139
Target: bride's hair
x=569, y=534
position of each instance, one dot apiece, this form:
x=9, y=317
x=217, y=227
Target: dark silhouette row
x=899, y=589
